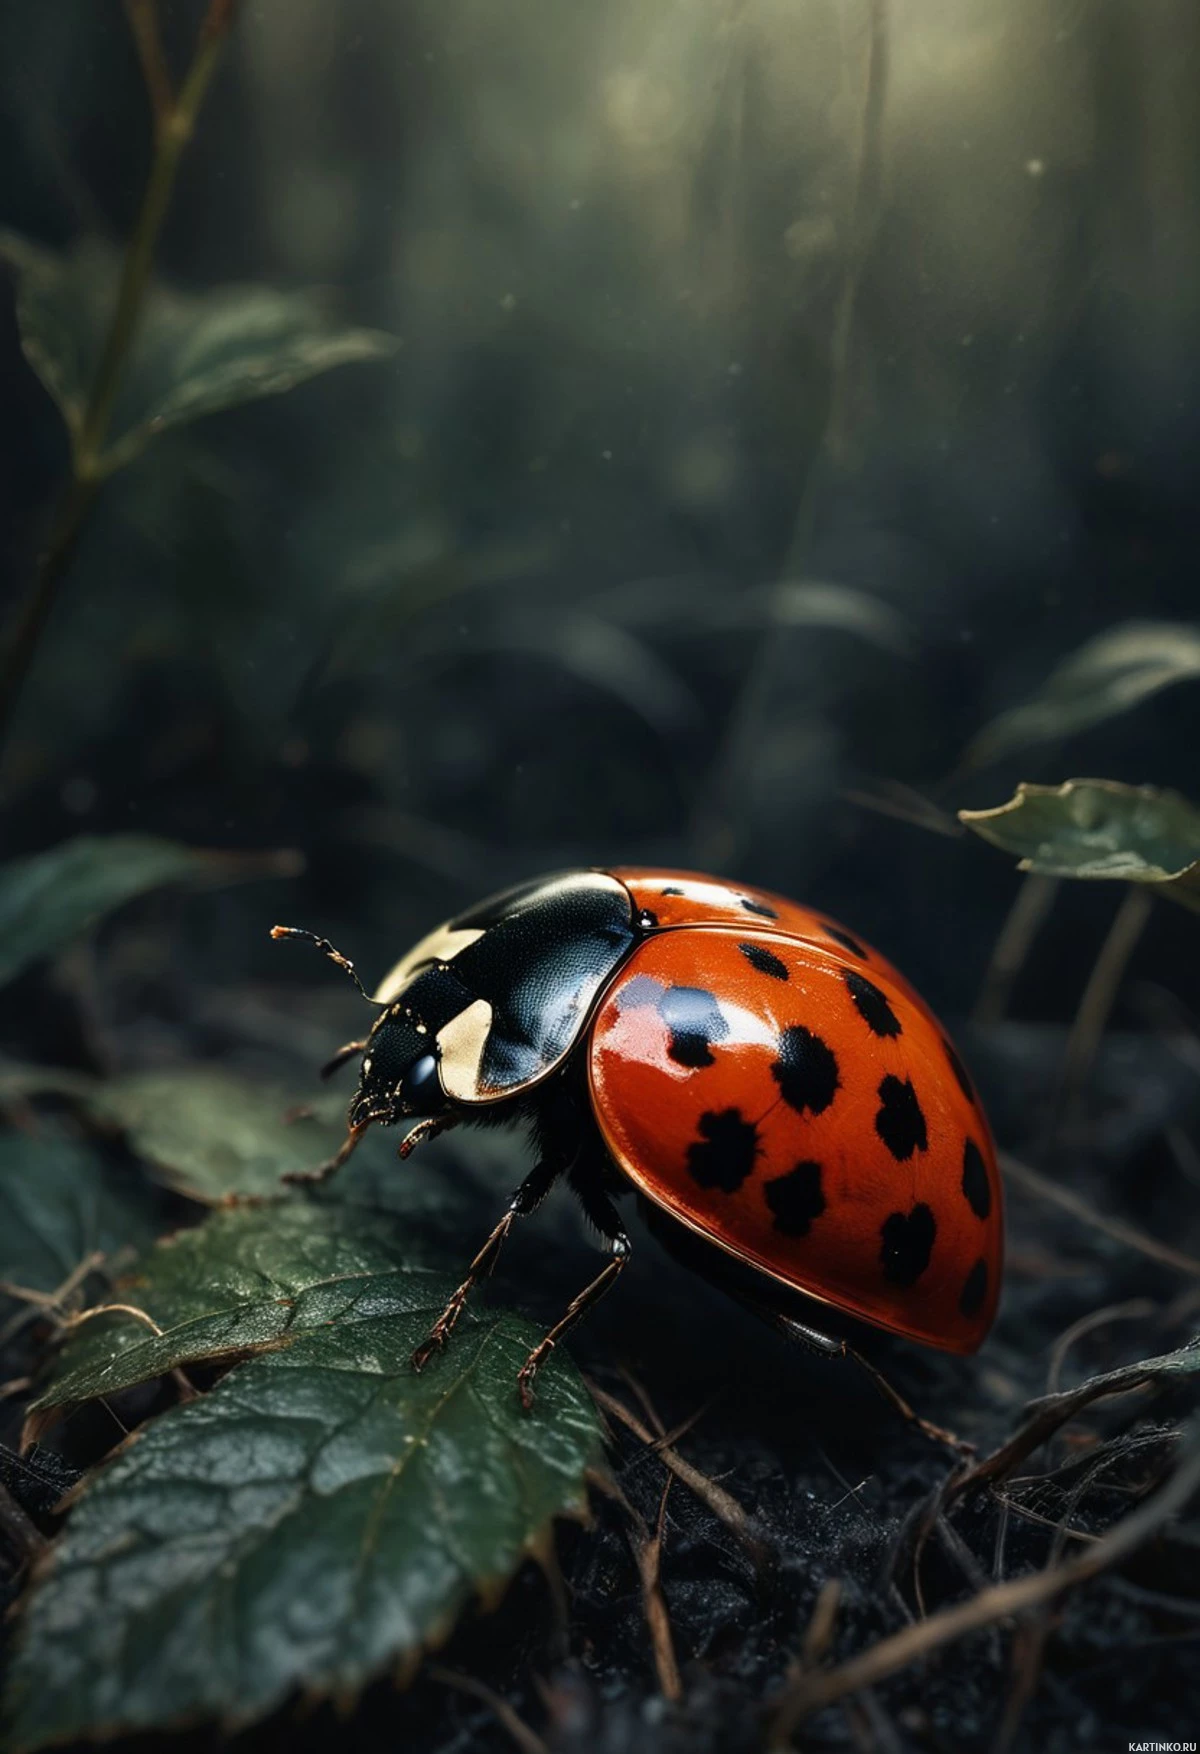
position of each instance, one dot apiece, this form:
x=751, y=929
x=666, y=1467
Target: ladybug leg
x=527, y=1199
x=935, y=1433
x=831, y=1348
x=599, y=1209
x=323, y=1171
x=429, y=1128
x=347, y=1052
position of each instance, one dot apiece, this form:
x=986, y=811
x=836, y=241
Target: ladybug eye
x=420, y=1088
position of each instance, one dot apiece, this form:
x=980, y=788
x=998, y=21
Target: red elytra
x=862, y=1174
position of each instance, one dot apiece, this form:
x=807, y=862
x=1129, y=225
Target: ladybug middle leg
x=556, y=1124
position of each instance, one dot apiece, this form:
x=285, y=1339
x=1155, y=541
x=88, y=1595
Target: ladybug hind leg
x=829, y=1347
x=527, y=1199
x=600, y=1212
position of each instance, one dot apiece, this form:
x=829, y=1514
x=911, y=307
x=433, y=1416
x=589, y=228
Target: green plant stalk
x=89, y=466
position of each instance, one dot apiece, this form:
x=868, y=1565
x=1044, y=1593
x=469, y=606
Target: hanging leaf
x=51, y=897
x=58, y=1205
x=320, y=1516
x=194, y=353
x=1106, y=676
x=1100, y=829
x=247, y=1280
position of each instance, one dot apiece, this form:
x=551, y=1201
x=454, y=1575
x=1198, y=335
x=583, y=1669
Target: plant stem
x=175, y=133
x=175, y=120
x=53, y=562
x=143, y=22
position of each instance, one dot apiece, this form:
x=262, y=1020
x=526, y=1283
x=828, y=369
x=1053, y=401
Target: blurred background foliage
x=782, y=391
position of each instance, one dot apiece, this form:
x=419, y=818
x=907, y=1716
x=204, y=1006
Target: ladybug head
x=398, y=1077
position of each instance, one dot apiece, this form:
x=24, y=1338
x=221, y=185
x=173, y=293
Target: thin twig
x=46, y=1303
x=1031, y=905
x=647, y=1550
x=1045, y=1189
x=103, y=1309
x=1043, y=1417
x=723, y=1506
x=1000, y=1601
x=526, y=1739
x=1135, y=1310
x=644, y=1401
x=822, y=1624
x=23, y=1535
x=1097, y=1002
x=1029, y=1644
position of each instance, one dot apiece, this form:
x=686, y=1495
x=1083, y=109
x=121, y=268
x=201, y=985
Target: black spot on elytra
x=647, y=920
x=845, y=940
x=764, y=960
x=796, y=1198
x=724, y=1155
x=900, y=1123
x=960, y=1072
x=695, y=1022
x=670, y=889
x=806, y=1070
x=974, y=1289
x=758, y=907
x=871, y=1004
x=974, y=1180
x=907, y=1244
x=641, y=990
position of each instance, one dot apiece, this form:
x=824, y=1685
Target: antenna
x=327, y=949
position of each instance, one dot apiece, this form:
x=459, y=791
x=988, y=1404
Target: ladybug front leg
x=323, y=1171
x=527, y=1199
x=603, y=1214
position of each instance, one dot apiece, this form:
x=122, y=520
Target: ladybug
x=794, y=1118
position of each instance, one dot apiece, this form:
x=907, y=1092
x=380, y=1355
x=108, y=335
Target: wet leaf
x=1106, y=676
x=50, y=898
x=210, y=1134
x=248, y=1279
x=205, y=1132
x=1100, y=829
x=214, y=1135
x=194, y=353
x=58, y=1205
x=321, y=1515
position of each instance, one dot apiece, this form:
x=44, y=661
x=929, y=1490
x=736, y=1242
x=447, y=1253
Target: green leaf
x=50, y=898
x=212, y=1134
x=1106, y=676
x=205, y=1132
x=249, y=1279
x=1100, y=829
x=215, y=1135
x=320, y=1516
x=193, y=353
x=58, y=1205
